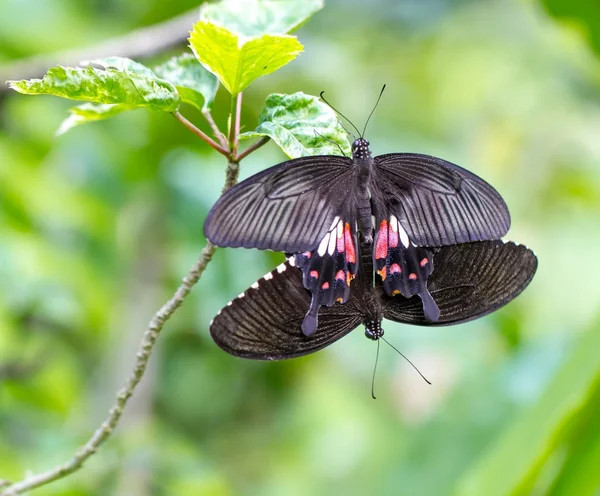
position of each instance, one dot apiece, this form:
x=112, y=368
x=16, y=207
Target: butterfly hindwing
x=328, y=270
x=469, y=281
x=438, y=203
x=288, y=207
x=403, y=267
x=264, y=322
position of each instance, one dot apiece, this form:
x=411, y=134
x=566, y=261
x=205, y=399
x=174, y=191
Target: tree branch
x=143, y=355
x=141, y=43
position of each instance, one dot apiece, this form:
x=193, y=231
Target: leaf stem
x=234, y=125
x=255, y=146
x=215, y=129
x=207, y=139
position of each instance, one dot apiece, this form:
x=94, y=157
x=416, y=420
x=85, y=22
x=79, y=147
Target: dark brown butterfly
x=404, y=206
x=470, y=281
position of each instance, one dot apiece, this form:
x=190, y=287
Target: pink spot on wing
x=314, y=273
x=340, y=243
x=325, y=285
x=340, y=275
x=424, y=262
x=392, y=238
x=307, y=254
x=395, y=269
x=413, y=277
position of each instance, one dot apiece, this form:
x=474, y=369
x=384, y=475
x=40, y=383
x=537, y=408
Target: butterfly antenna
x=331, y=141
x=340, y=114
x=369, y=118
x=405, y=358
x=375, y=370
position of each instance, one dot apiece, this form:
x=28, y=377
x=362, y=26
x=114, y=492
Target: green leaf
x=193, y=82
x=89, y=112
x=301, y=125
x=256, y=17
x=537, y=451
x=236, y=60
x=121, y=64
x=119, y=81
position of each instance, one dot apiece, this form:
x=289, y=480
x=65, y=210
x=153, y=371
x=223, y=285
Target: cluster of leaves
x=233, y=43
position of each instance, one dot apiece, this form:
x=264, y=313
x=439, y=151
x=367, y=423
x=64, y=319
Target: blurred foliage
x=99, y=225
x=581, y=14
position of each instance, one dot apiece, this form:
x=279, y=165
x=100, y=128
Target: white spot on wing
x=334, y=223
x=323, y=246
x=281, y=268
x=229, y=303
x=394, y=223
x=241, y=295
x=403, y=236
x=340, y=229
x=268, y=276
x=292, y=261
x=255, y=285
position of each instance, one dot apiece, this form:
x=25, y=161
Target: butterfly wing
x=469, y=281
x=438, y=203
x=264, y=322
x=289, y=207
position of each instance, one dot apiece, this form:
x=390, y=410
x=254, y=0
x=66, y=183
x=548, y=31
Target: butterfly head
x=360, y=149
x=373, y=329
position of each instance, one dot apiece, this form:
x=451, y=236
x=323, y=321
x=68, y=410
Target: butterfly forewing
x=438, y=203
x=288, y=207
x=264, y=322
x=469, y=281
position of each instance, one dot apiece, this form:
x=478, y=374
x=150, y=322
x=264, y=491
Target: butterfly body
x=401, y=207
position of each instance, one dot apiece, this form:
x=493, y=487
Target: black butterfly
x=315, y=206
x=470, y=280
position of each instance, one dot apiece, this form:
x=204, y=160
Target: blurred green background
x=98, y=226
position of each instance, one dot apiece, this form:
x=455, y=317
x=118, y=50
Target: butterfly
x=471, y=280
x=403, y=206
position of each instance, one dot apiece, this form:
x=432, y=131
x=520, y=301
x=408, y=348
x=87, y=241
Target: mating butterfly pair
x=427, y=228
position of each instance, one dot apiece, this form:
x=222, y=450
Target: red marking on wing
x=349, y=241
x=413, y=277
x=424, y=262
x=381, y=248
x=341, y=275
x=314, y=273
x=307, y=254
x=325, y=285
x=395, y=269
